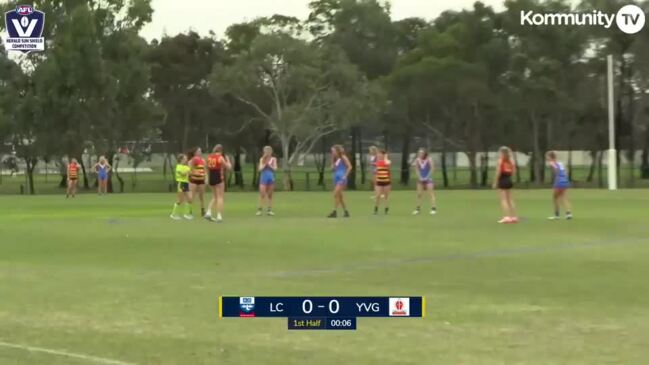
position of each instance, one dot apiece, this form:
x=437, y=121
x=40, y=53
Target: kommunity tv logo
x=630, y=19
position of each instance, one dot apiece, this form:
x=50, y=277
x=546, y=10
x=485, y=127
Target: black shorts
x=215, y=177
x=183, y=187
x=383, y=183
x=197, y=182
x=505, y=182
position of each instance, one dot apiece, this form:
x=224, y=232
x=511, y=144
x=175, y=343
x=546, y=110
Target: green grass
x=113, y=277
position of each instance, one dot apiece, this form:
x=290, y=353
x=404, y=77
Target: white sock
x=209, y=213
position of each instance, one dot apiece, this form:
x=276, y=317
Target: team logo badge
x=247, y=306
x=25, y=28
x=399, y=307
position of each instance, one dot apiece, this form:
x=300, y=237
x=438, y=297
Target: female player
x=424, y=167
x=183, y=194
x=383, y=182
x=73, y=178
x=503, y=182
x=561, y=183
x=267, y=168
x=217, y=164
x=197, y=176
x=341, y=168
x=102, y=168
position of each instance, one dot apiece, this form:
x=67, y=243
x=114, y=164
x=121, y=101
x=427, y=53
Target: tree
x=78, y=90
x=19, y=122
x=364, y=31
x=302, y=91
x=450, y=82
x=180, y=68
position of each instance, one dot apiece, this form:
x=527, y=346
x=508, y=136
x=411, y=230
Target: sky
x=173, y=16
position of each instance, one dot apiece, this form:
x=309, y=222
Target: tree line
x=466, y=81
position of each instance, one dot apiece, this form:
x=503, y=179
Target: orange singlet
x=215, y=166
x=383, y=177
x=73, y=171
x=198, y=171
x=506, y=167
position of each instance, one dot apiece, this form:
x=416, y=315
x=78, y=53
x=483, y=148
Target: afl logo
x=24, y=9
x=25, y=27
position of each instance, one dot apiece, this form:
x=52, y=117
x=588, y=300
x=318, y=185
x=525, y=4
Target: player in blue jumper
x=341, y=169
x=560, y=184
x=102, y=168
x=267, y=168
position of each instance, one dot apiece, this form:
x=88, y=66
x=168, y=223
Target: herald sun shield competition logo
x=247, y=306
x=399, y=307
x=25, y=27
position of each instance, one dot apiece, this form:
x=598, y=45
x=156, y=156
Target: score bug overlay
x=322, y=313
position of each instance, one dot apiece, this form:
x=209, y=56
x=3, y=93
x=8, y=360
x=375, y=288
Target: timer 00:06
x=341, y=322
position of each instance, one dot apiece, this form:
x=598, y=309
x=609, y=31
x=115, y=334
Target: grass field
x=111, y=280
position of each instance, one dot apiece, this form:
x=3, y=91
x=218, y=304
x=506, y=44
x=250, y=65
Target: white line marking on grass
x=89, y=358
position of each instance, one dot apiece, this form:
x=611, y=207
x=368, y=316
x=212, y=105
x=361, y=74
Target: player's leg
x=386, y=198
x=220, y=201
x=180, y=198
x=270, y=189
x=556, y=203
x=341, y=189
x=431, y=196
x=502, y=195
x=336, y=198
x=189, y=198
x=511, y=205
x=262, y=197
x=567, y=206
x=212, y=204
x=201, y=195
x=378, y=193
x=420, y=192
x=377, y=198
x=68, y=188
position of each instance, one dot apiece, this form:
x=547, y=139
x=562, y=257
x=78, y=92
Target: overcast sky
x=173, y=16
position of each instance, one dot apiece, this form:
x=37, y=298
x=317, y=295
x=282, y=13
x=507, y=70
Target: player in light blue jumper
x=267, y=168
x=560, y=184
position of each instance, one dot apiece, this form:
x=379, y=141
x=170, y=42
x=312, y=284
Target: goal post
x=612, y=153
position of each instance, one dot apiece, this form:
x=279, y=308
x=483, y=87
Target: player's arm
x=553, y=169
x=109, y=168
x=226, y=162
x=349, y=166
x=261, y=164
x=497, y=175
x=191, y=165
x=273, y=163
x=417, y=169
x=432, y=166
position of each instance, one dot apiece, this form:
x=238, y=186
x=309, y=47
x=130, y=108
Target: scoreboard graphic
x=322, y=313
